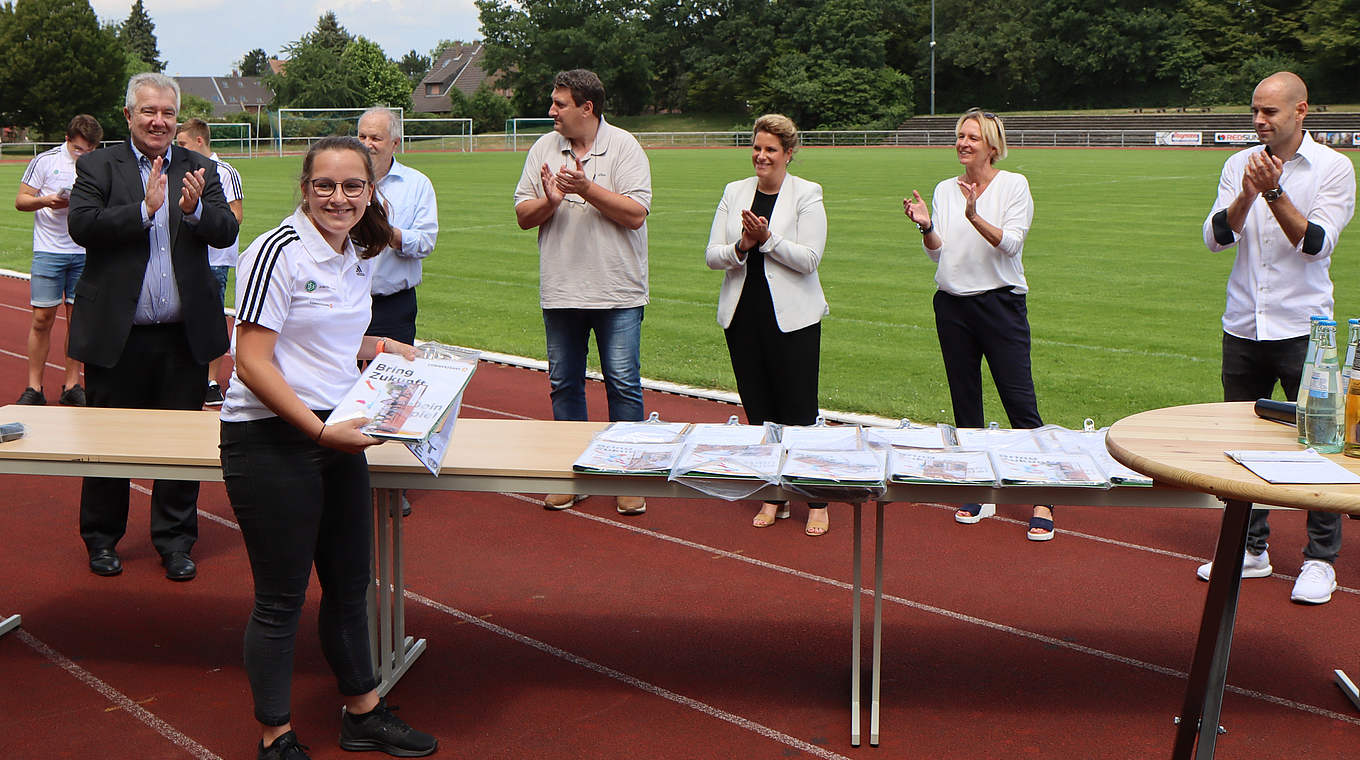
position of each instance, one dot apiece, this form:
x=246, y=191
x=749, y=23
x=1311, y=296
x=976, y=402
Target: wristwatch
x=1273, y=194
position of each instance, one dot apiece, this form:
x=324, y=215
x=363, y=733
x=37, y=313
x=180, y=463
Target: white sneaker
x=1317, y=581
x=1253, y=566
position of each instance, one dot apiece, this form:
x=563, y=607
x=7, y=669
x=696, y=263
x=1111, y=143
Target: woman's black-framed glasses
x=352, y=188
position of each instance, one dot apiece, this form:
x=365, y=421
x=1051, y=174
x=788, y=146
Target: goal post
x=530, y=128
x=297, y=128
x=437, y=134
x=232, y=139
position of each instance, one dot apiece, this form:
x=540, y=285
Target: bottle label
x=1317, y=385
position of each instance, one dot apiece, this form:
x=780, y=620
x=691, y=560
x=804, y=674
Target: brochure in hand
x=953, y=466
x=405, y=400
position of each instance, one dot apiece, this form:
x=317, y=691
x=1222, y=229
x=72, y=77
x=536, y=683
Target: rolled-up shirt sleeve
x=1217, y=233
x=1333, y=207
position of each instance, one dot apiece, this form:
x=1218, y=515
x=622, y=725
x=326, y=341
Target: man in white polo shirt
x=587, y=187
x=194, y=135
x=58, y=261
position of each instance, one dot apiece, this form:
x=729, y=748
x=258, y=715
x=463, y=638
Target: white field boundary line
x=118, y=698
x=956, y=616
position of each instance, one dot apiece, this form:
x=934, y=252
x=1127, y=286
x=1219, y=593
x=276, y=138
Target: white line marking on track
x=952, y=615
x=117, y=697
x=637, y=683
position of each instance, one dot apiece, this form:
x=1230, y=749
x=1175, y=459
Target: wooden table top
x=1183, y=446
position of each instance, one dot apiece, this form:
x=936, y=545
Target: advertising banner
x=1180, y=138
x=1235, y=137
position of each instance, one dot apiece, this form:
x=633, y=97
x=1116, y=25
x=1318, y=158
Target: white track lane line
x=952, y=615
x=117, y=697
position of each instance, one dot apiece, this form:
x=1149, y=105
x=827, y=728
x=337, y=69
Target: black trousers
x=156, y=371
x=1250, y=370
x=300, y=504
x=995, y=326
x=776, y=371
x=394, y=316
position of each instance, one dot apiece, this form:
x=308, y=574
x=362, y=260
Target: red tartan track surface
x=683, y=633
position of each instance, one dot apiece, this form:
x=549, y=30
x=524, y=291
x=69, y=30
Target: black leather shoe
x=179, y=566
x=105, y=562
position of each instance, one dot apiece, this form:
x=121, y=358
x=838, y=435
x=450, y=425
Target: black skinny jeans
x=299, y=504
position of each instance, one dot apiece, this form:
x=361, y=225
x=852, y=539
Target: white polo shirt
x=49, y=172
x=231, y=187
x=586, y=261
x=318, y=301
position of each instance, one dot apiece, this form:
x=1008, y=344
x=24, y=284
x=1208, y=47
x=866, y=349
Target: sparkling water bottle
x=1325, y=414
x=1352, y=337
x=1301, y=402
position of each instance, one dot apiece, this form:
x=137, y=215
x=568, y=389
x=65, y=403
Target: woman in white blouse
x=976, y=235
x=768, y=236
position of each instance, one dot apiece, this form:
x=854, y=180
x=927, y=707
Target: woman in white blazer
x=768, y=236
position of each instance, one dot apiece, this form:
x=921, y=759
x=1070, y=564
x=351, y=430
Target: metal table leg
x=1198, y=729
x=878, y=624
x=13, y=621
x=393, y=651
x=854, y=630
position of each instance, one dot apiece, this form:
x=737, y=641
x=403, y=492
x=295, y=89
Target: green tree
x=192, y=106
x=1331, y=40
x=315, y=78
x=378, y=79
x=139, y=35
x=415, y=66
x=329, y=34
x=53, y=64
x=254, y=63
x=488, y=110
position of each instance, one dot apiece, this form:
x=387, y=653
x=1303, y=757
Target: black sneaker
x=383, y=731
x=32, y=397
x=214, y=395
x=73, y=396
x=285, y=747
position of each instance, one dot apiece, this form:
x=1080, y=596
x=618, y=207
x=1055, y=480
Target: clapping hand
x=970, y=194
x=550, y=188
x=755, y=230
x=192, y=190
x=573, y=181
x=916, y=210
x=155, y=187
x=1262, y=173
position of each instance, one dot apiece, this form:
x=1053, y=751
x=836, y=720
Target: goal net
x=232, y=139
x=297, y=128
x=522, y=131
x=437, y=134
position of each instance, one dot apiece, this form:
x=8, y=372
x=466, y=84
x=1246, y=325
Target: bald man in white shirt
x=1282, y=205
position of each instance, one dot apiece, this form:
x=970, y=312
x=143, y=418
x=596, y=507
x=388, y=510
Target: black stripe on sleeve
x=1223, y=232
x=252, y=302
x=1313, y=238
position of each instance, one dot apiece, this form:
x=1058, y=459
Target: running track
x=680, y=634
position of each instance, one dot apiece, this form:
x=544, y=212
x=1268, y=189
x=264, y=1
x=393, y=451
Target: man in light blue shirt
x=409, y=198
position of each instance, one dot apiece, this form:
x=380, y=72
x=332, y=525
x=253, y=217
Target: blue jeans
x=618, y=337
x=52, y=278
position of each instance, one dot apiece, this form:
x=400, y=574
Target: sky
x=207, y=37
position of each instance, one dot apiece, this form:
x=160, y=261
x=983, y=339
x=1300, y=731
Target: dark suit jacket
x=105, y=217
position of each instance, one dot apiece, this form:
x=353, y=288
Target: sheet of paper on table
x=1305, y=466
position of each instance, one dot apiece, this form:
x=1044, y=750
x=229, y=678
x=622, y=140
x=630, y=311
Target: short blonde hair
x=992, y=129
x=782, y=127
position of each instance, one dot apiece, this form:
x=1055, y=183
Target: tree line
x=867, y=63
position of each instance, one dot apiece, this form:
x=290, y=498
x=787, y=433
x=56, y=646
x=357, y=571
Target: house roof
x=228, y=94
x=458, y=66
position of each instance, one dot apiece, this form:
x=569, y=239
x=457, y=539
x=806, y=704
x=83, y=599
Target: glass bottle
x=1325, y=413
x=1301, y=396
x=1352, y=337
x=1351, y=444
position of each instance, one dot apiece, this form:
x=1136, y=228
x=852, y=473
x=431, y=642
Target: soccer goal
x=437, y=134
x=232, y=139
x=297, y=128
x=528, y=128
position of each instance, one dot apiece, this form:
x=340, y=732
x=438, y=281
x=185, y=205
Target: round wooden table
x=1183, y=447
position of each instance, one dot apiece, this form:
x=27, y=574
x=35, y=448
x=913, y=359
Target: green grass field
x=1124, y=298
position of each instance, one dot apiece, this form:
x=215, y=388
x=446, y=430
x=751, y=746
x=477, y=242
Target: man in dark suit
x=146, y=319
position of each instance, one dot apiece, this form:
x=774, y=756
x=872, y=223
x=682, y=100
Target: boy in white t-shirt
x=45, y=190
x=194, y=135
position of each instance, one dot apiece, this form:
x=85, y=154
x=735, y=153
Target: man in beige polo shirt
x=587, y=187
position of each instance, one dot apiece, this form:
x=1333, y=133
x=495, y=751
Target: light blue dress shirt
x=411, y=209
x=159, y=301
